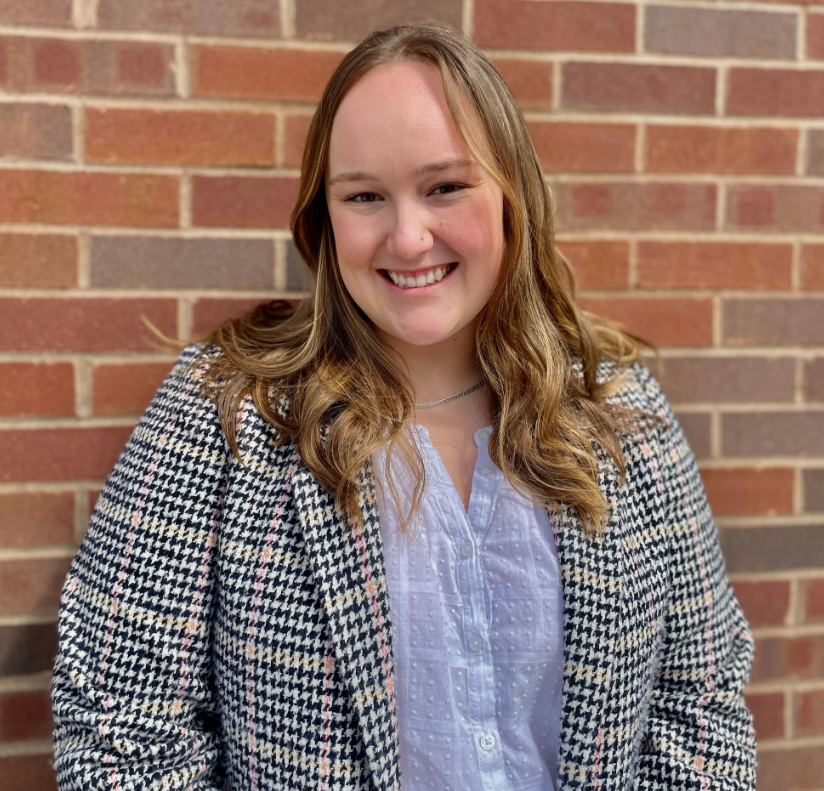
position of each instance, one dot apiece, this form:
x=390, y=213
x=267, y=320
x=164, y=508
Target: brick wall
x=148, y=163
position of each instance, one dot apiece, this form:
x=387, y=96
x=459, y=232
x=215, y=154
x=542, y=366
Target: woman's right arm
x=132, y=687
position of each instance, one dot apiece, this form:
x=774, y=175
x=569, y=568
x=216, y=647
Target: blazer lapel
x=349, y=569
x=591, y=574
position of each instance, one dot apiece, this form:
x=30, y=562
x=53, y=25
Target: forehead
x=396, y=112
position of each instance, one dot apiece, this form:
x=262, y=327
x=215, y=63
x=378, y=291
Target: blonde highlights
x=319, y=373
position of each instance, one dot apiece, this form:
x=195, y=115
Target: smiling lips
x=426, y=277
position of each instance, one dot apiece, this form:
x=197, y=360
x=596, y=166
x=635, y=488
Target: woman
x=435, y=523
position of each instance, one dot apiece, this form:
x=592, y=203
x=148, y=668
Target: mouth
x=419, y=279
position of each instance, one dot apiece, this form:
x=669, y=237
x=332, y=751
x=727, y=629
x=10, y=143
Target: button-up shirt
x=477, y=619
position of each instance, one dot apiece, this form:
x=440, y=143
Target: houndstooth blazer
x=224, y=627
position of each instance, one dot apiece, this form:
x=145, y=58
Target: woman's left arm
x=699, y=732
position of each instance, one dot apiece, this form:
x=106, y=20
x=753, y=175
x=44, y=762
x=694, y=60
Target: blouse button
x=466, y=550
x=485, y=433
x=476, y=643
x=486, y=470
x=487, y=741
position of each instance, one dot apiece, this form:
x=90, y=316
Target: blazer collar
x=349, y=568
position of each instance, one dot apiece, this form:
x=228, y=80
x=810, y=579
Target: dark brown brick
x=258, y=18
x=29, y=772
x=298, y=276
x=773, y=322
x=631, y=206
x=723, y=33
x=252, y=73
x=32, y=587
x=48, y=13
x=243, y=202
x=598, y=264
x=815, y=152
x=564, y=146
x=35, y=131
x=36, y=389
x=773, y=548
x=530, y=81
x=25, y=714
x=775, y=92
x=82, y=324
x=138, y=262
x=813, y=490
x=739, y=265
x=31, y=260
x=638, y=87
x=790, y=768
x=768, y=714
x=27, y=648
x=809, y=712
x=814, y=379
x=29, y=519
x=191, y=137
x=329, y=20
x=560, y=25
x=778, y=207
x=697, y=428
x=773, y=434
x=747, y=491
x=726, y=379
x=765, y=602
x=60, y=454
x=788, y=658
x=126, y=388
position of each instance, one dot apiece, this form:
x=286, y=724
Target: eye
x=363, y=197
x=446, y=189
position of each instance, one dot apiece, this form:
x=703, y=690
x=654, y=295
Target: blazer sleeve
x=132, y=690
x=699, y=732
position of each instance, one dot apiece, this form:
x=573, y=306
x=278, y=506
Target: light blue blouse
x=477, y=620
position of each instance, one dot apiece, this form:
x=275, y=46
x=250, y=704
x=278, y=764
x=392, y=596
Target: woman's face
x=418, y=223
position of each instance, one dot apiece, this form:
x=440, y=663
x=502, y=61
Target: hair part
x=319, y=373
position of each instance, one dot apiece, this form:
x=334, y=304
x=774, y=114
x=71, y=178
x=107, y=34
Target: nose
x=410, y=235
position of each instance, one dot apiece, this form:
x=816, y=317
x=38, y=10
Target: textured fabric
x=476, y=604
x=224, y=626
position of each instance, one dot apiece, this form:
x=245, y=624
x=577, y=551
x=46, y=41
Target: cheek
x=354, y=243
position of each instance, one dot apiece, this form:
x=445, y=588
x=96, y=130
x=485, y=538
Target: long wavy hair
x=318, y=372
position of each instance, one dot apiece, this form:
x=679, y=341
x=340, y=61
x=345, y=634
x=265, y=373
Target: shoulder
x=634, y=387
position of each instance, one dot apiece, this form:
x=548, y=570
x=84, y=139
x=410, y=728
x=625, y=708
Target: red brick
x=815, y=152
x=35, y=131
x=243, y=202
x=790, y=769
x=42, y=196
x=31, y=260
x=190, y=137
x=327, y=20
x=662, y=321
x=29, y=519
x=126, y=389
x=773, y=322
x=633, y=206
x=564, y=146
x=32, y=586
x=814, y=379
x=749, y=491
x=765, y=602
x=296, y=130
x=767, y=710
x=205, y=17
x=775, y=92
x=815, y=36
x=25, y=714
x=208, y=313
x=36, y=389
x=638, y=87
x=51, y=13
x=788, y=658
x=60, y=454
x=779, y=207
x=83, y=324
x=812, y=267
x=530, y=81
x=598, y=264
x=809, y=712
x=722, y=150
x=739, y=265
x=560, y=25
x=251, y=73
x=812, y=594
x=707, y=31
x=29, y=772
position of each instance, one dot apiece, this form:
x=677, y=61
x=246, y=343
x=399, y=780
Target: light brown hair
x=345, y=396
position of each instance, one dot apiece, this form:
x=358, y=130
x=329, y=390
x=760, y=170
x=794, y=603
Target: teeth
x=420, y=280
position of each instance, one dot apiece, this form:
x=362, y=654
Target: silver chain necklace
x=451, y=398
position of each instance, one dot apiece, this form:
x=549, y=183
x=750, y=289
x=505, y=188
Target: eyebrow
x=435, y=167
